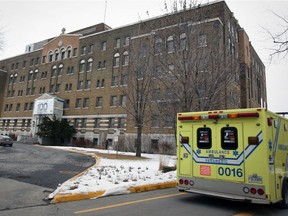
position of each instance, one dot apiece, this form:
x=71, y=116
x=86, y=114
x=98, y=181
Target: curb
x=61, y=198
x=58, y=198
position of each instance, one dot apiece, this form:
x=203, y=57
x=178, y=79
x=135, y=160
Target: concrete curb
x=60, y=198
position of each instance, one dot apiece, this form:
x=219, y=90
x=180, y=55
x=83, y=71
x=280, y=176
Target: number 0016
x=228, y=172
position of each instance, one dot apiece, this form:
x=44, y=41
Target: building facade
x=89, y=72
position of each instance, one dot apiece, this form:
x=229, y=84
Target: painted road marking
x=127, y=203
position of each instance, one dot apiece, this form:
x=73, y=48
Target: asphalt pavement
x=29, y=173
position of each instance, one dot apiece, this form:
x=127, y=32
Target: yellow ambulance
x=236, y=154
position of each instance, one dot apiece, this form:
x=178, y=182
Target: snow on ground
x=116, y=176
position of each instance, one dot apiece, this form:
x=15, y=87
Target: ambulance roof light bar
x=218, y=116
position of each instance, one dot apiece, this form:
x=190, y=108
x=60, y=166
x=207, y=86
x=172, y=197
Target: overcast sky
x=24, y=22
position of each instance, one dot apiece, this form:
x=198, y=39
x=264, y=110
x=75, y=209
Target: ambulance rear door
x=217, y=151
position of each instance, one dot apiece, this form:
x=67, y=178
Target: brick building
x=85, y=75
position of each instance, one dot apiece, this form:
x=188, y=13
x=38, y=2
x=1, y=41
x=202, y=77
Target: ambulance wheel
x=284, y=202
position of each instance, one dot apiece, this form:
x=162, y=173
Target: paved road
x=165, y=202
x=28, y=173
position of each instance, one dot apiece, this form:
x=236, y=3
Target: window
x=113, y=101
x=56, y=55
x=155, y=121
x=18, y=107
x=204, y=138
x=10, y=107
x=28, y=91
x=78, y=103
x=111, y=123
x=121, y=122
x=170, y=44
x=83, y=50
x=168, y=121
x=80, y=85
x=53, y=71
x=68, y=52
x=50, y=56
x=58, y=87
x=229, y=138
x=51, y=88
x=33, y=91
x=15, y=77
x=23, y=122
x=76, y=122
x=126, y=41
x=75, y=51
x=156, y=95
x=158, y=45
x=70, y=70
x=158, y=71
x=183, y=42
x=31, y=105
x=28, y=122
x=82, y=66
x=66, y=104
x=25, y=106
x=15, y=122
x=86, y=102
x=114, y=81
x=11, y=79
x=99, y=101
x=60, y=70
x=62, y=53
x=90, y=64
x=100, y=83
x=117, y=42
x=104, y=45
x=88, y=84
x=116, y=60
x=35, y=75
x=91, y=48
x=99, y=64
x=30, y=77
x=202, y=40
x=126, y=58
x=124, y=79
x=84, y=123
x=122, y=101
x=97, y=123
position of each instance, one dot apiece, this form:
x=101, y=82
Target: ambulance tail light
x=253, y=191
x=260, y=191
x=181, y=181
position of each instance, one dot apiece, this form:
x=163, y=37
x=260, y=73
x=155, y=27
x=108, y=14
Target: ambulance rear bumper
x=227, y=196
x=239, y=191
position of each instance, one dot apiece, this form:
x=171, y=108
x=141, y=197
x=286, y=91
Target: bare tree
x=280, y=39
x=194, y=68
x=138, y=91
x=179, y=63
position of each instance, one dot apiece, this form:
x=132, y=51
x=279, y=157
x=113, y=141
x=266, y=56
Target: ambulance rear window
x=204, y=140
x=229, y=138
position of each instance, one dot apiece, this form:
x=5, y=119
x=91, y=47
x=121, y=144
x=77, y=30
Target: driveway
x=28, y=173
